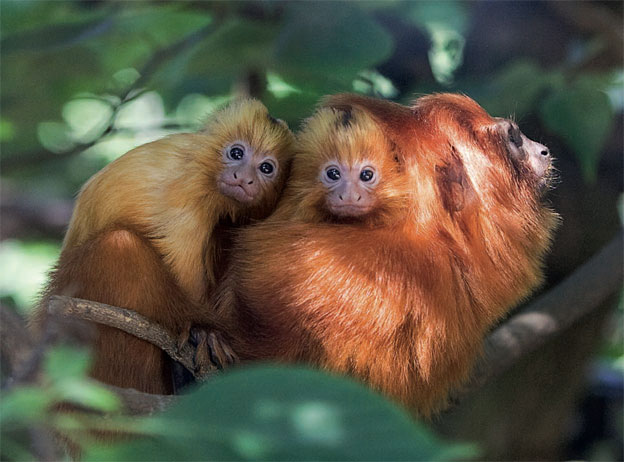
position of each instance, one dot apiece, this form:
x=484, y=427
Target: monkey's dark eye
x=515, y=136
x=236, y=153
x=266, y=168
x=333, y=174
x=366, y=175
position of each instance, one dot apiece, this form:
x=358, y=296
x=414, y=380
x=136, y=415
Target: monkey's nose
x=350, y=197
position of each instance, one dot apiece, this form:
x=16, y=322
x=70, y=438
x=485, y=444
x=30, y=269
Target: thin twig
x=127, y=95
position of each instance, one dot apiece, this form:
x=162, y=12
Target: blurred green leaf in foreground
x=279, y=413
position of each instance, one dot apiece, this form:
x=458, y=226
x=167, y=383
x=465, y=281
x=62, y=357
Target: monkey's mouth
x=548, y=182
x=349, y=210
x=236, y=192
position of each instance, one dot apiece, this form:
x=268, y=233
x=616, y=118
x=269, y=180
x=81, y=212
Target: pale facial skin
x=350, y=188
x=246, y=172
x=525, y=150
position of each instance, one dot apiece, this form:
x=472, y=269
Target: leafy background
x=82, y=82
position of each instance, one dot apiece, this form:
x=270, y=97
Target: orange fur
x=149, y=233
x=404, y=302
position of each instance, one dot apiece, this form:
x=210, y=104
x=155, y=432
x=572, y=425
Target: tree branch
x=16, y=344
x=17, y=349
x=28, y=215
x=130, y=322
x=578, y=295
x=140, y=403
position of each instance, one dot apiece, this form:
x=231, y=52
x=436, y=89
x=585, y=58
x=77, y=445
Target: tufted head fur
x=352, y=138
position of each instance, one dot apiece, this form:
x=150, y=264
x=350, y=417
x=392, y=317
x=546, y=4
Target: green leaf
x=582, y=116
x=159, y=24
x=372, y=82
x=445, y=23
x=67, y=368
x=234, y=48
x=55, y=136
x=87, y=118
x=278, y=413
x=62, y=363
x=450, y=15
x=88, y=394
x=292, y=108
x=334, y=39
x=24, y=269
x=23, y=405
x=15, y=448
x=55, y=36
x=516, y=89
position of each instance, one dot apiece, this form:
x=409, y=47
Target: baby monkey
x=344, y=171
x=149, y=232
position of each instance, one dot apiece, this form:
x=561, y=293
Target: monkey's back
x=132, y=189
x=161, y=190
x=370, y=303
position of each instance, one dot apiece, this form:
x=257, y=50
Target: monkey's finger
x=184, y=336
x=203, y=360
x=230, y=355
x=217, y=350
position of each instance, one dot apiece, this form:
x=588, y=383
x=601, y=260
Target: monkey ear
x=456, y=191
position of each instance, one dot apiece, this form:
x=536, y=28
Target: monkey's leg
x=119, y=267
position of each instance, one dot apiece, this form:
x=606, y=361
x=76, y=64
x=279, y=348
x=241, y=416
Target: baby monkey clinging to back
x=147, y=232
x=345, y=170
x=401, y=291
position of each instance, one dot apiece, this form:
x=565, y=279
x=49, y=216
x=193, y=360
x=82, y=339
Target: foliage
x=84, y=58
x=24, y=270
x=277, y=413
x=26, y=407
x=261, y=413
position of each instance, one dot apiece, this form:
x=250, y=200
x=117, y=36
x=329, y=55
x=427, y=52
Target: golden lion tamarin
x=400, y=293
x=149, y=231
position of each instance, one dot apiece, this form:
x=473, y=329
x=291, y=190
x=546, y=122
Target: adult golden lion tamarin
x=149, y=231
x=403, y=236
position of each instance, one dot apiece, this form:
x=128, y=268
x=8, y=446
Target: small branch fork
x=586, y=289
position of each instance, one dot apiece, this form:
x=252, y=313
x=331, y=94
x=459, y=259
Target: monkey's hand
x=211, y=349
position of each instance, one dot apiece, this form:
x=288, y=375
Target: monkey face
x=525, y=153
x=350, y=187
x=247, y=156
x=345, y=169
x=247, y=172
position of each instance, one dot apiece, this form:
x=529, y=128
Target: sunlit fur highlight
x=403, y=306
x=166, y=190
x=149, y=232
